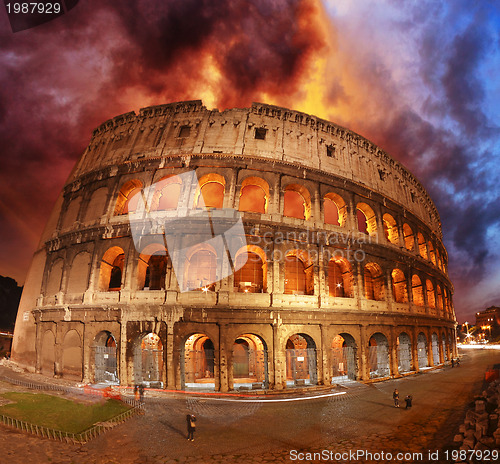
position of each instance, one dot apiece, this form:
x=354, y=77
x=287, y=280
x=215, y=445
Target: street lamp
x=484, y=327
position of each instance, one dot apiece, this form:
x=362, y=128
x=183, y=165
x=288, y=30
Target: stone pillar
x=58, y=352
x=326, y=378
x=364, y=355
x=393, y=353
x=223, y=359
x=352, y=222
x=430, y=355
x=125, y=374
x=279, y=357
x=389, y=297
x=414, y=349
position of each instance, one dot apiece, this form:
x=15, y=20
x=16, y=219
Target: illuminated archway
x=422, y=246
x=198, y=367
x=166, y=193
x=105, y=357
x=110, y=274
x=378, y=350
x=390, y=229
x=249, y=362
x=148, y=361
x=152, y=267
x=301, y=362
x=344, y=358
x=335, y=209
x=210, y=191
x=299, y=278
x=201, y=269
x=423, y=360
x=254, y=195
x=251, y=274
x=367, y=222
x=417, y=290
x=340, y=278
x=128, y=196
x=374, y=282
x=399, y=290
x=408, y=236
x=297, y=202
x=431, y=298
x=404, y=353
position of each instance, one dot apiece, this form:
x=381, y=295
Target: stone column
x=223, y=359
x=364, y=355
x=279, y=357
x=393, y=360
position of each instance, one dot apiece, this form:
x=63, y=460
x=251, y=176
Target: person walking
x=191, y=426
x=395, y=397
x=141, y=393
x=408, y=400
x=452, y=362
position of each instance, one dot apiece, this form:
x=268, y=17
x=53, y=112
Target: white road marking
x=258, y=400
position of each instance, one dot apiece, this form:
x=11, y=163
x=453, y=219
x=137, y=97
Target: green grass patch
x=59, y=413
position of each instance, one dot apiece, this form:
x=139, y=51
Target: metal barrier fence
x=76, y=438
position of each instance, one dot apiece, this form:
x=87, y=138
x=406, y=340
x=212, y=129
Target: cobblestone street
x=249, y=431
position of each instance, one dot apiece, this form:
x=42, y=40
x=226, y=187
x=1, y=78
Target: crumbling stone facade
x=343, y=275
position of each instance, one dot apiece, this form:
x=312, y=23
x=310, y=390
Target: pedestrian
x=458, y=362
x=191, y=426
x=408, y=400
x=395, y=397
x=136, y=392
x=141, y=393
x=452, y=362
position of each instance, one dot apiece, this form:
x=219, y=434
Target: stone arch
x=97, y=204
x=297, y=202
x=128, y=196
x=422, y=246
x=390, y=229
x=431, y=298
x=201, y=268
x=439, y=302
x=374, y=282
x=251, y=270
x=408, y=236
x=148, y=360
x=71, y=214
x=335, y=209
x=55, y=276
x=210, y=191
x=367, y=222
x=445, y=351
x=423, y=359
x=436, y=359
x=340, y=278
x=299, y=276
x=105, y=357
x=344, y=357
x=399, y=286
x=254, y=195
x=378, y=352
x=78, y=279
x=48, y=353
x=198, y=362
x=166, y=193
x=404, y=353
x=301, y=360
x=432, y=255
x=152, y=267
x=72, y=360
x=111, y=271
x=250, y=362
x=417, y=290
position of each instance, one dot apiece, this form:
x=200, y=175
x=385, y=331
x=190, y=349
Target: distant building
x=490, y=320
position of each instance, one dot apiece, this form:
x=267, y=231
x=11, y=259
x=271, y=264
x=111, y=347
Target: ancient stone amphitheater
x=250, y=248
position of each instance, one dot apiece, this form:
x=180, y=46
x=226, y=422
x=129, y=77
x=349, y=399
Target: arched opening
x=198, y=363
x=378, y=350
x=299, y=279
x=439, y=298
x=344, y=358
x=422, y=247
x=55, y=276
x=128, y=196
x=374, y=282
x=399, y=290
x=201, y=270
x=445, y=352
x=166, y=194
x=210, y=193
x=404, y=353
x=417, y=290
x=254, y=195
x=105, y=354
x=72, y=356
x=48, y=357
x=432, y=255
x=340, y=278
x=251, y=274
x=96, y=205
x=250, y=362
x=335, y=209
x=367, y=223
x=436, y=359
x=79, y=273
x=297, y=202
x=431, y=299
x=110, y=274
x=423, y=360
x=301, y=364
x=152, y=267
x=390, y=229
x=148, y=361
x=408, y=236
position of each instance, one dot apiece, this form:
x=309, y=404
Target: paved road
x=363, y=418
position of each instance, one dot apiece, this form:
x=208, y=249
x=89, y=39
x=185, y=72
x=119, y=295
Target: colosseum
x=251, y=248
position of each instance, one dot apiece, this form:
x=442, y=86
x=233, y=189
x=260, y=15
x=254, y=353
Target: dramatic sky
x=420, y=78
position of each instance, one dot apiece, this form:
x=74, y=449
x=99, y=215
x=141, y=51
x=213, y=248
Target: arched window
x=431, y=299
x=128, y=197
x=254, y=195
x=367, y=222
x=408, y=237
x=422, y=247
x=166, y=193
x=251, y=273
x=340, y=278
x=211, y=191
x=417, y=290
x=202, y=270
x=110, y=276
x=390, y=229
x=432, y=256
x=399, y=291
x=374, y=282
x=440, y=297
x=298, y=276
x=335, y=209
x=297, y=202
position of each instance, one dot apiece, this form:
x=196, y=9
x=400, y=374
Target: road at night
x=230, y=431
